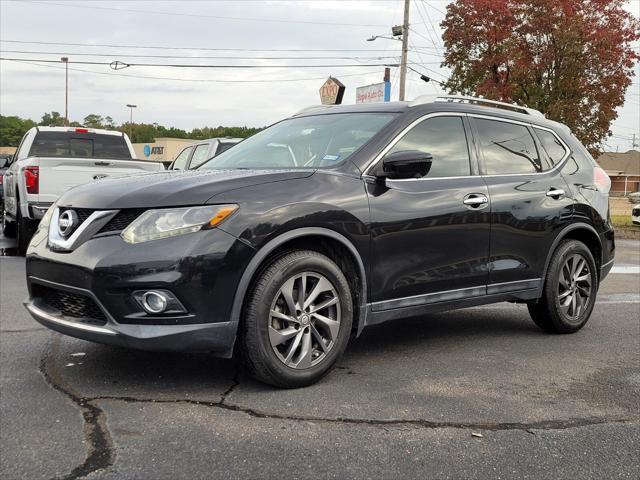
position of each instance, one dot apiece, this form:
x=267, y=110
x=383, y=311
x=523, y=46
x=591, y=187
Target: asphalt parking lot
x=475, y=393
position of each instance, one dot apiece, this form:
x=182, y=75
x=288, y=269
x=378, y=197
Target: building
x=162, y=149
x=623, y=169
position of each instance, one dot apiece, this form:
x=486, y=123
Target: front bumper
x=201, y=269
x=215, y=337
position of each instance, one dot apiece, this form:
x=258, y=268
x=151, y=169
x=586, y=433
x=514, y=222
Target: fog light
x=154, y=302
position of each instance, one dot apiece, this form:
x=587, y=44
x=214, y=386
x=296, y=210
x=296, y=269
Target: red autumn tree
x=570, y=59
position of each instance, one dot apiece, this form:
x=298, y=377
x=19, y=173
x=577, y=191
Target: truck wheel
x=297, y=320
x=8, y=228
x=25, y=230
x=569, y=292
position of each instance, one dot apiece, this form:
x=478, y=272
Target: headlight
x=46, y=218
x=155, y=224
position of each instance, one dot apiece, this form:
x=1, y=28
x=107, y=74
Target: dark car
x=289, y=244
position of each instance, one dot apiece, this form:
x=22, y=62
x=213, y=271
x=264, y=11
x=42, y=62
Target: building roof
x=620, y=163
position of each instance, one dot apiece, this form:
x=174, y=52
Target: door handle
x=475, y=200
x=556, y=193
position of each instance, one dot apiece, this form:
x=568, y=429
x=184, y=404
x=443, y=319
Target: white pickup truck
x=49, y=161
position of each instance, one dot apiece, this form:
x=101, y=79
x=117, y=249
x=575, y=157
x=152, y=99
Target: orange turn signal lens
x=223, y=213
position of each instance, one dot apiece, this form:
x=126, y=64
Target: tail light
x=32, y=179
x=1, y=178
x=601, y=180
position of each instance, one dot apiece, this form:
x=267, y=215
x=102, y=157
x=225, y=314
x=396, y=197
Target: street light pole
x=131, y=107
x=66, y=89
x=405, y=49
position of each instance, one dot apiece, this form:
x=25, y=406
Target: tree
x=93, y=120
x=52, y=119
x=570, y=59
x=12, y=130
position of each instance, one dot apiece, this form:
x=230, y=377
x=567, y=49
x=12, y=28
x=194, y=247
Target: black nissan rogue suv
x=289, y=244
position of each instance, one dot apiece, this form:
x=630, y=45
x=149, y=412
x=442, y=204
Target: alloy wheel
x=304, y=320
x=574, y=286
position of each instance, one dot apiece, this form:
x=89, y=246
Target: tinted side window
x=551, y=144
x=199, y=156
x=181, y=160
x=445, y=140
x=507, y=148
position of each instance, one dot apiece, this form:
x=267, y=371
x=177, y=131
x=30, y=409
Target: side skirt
x=375, y=316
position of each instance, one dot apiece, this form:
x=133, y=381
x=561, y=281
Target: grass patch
x=621, y=220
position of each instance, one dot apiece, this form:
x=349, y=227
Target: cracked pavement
x=403, y=402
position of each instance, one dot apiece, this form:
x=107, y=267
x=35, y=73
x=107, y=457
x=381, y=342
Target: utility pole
x=405, y=48
x=634, y=145
x=66, y=90
x=131, y=107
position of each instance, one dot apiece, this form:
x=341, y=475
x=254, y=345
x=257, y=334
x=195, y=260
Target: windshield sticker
x=331, y=158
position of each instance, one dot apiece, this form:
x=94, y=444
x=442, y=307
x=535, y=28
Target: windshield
x=320, y=141
x=79, y=145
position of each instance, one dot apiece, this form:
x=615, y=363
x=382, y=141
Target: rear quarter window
x=552, y=146
x=79, y=145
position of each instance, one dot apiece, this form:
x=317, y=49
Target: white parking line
x=630, y=269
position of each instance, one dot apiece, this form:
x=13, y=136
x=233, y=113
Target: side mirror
x=405, y=164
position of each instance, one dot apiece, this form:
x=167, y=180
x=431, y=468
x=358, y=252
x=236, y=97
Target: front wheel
x=297, y=320
x=569, y=292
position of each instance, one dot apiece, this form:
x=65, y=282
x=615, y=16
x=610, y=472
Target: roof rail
x=478, y=101
x=311, y=109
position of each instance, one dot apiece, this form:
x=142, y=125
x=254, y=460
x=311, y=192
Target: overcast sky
x=196, y=97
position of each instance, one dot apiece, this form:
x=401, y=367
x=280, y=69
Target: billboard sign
x=378, y=92
x=331, y=92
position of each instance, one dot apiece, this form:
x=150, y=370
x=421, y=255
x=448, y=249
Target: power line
x=437, y=35
x=217, y=17
x=435, y=8
x=187, y=65
x=430, y=78
x=199, y=80
x=167, y=47
x=191, y=57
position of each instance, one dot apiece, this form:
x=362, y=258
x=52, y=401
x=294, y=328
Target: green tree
x=93, y=120
x=52, y=119
x=12, y=129
x=571, y=59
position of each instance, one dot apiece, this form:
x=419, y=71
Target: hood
x=169, y=188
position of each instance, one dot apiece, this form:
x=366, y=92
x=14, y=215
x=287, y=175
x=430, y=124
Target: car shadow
x=106, y=370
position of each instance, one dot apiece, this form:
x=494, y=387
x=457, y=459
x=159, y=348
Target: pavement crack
x=100, y=454
x=234, y=384
x=528, y=427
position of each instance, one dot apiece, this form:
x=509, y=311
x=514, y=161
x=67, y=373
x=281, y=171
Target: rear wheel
x=570, y=289
x=297, y=320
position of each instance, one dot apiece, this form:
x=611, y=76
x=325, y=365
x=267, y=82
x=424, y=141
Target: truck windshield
x=79, y=145
x=320, y=141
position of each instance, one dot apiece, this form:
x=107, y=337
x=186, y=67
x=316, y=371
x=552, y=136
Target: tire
x=569, y=291
x=24, y=231
x=267, y=342
x=8, y=228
